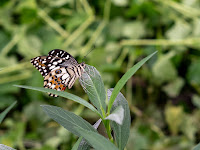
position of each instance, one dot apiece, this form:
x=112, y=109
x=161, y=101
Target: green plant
x=2, y=116
x=116, y=116
x=4, y=113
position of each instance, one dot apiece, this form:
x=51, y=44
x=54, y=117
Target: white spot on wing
x=60, y=61
x=55, y=63
x=67, y=57
x=55, y=68
x=53, y=86
x=65, y=76
x=52, y=67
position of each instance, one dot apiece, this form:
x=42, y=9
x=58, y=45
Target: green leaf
x=179, y=30
x=62, y=94
x=121, y=132
x=194, y=73
x=4, y=147
x=96, y=140
x=29, y=46
x=83, y=145
x=93, y=85
x=125, y=78
x=76, y=145
x=197, y=147
x=67, y=119
x=174, y=117
x=164, y=70
x=196, y=100
x=117, y=115
x=174, y=87
x=133, y=29
x=4, y=113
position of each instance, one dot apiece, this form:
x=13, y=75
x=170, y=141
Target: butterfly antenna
x=88, y=53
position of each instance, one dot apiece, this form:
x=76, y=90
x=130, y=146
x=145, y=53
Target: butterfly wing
x=57, y=80
x=69, y=59
x=59, y=69
x=45, y=64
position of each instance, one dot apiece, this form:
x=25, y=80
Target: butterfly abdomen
x=75, y=72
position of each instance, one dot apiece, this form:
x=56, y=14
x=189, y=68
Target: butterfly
x=59, y=69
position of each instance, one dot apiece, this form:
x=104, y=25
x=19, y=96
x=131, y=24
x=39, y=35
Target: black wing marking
x=45, y=64
x=69, y=59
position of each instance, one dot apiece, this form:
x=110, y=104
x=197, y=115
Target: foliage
x=123, y=32
x=4, y=113
x=93, y=85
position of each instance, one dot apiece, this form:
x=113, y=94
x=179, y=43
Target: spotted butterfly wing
x=69, y=59
x=45, y=64
x=59, y=69
x=56, y=80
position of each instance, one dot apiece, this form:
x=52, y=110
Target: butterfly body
x=59, y=69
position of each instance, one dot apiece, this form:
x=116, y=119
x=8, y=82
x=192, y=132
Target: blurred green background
x=163, y=95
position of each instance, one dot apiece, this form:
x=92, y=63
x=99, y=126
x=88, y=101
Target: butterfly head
x=83, y=65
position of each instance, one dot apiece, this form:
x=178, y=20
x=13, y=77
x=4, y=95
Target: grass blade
x=62, y=94
x=76, y=145
x=125, y=78
x=4, y=113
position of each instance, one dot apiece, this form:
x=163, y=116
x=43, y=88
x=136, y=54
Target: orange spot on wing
x=57, y=86
x=53, y=82
x=59, y=79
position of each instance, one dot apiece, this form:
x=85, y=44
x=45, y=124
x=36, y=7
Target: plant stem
x=16, y=67
x=108, y=129
x=13, y=42
x=87, y=7
x=103, y=113
x=93, y=38
x=183, y=9
x=163, y=42
x=17, y=77
x=78, y=31
x=107, y=10
x=52, y=23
